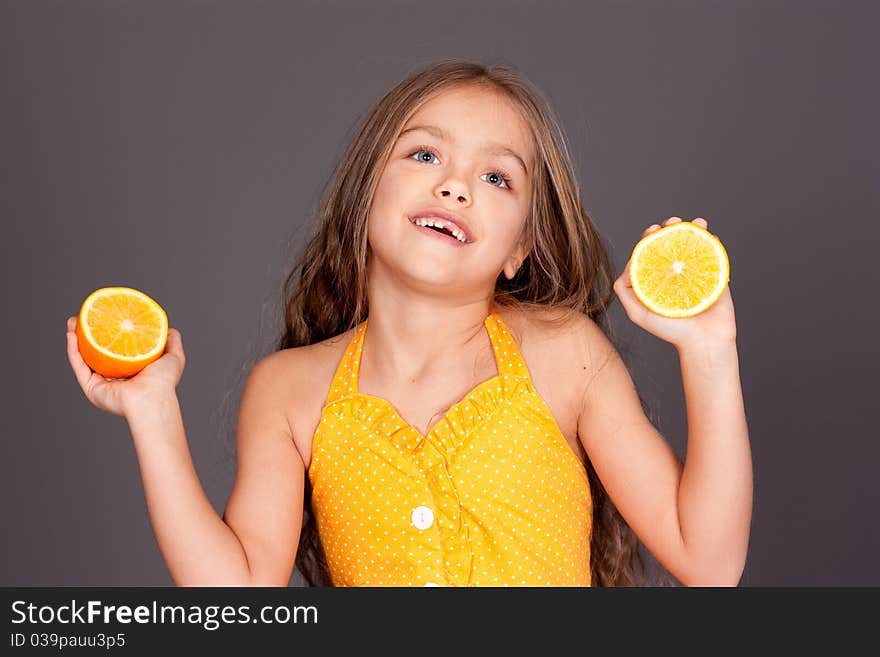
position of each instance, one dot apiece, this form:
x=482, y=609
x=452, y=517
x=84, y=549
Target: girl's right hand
x=120, y=396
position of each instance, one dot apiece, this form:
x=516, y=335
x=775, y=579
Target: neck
x=414, y=338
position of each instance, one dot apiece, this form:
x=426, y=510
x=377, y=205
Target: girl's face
x=467, y=152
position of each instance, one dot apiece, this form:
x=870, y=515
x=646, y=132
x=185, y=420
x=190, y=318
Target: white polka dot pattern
x=493, y=495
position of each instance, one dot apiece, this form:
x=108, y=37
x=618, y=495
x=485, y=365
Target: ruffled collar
x=378, y=415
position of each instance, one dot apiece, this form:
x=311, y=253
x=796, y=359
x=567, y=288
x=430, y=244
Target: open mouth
x=440, y=229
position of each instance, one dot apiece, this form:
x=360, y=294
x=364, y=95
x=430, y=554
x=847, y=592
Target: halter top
x=493, y=495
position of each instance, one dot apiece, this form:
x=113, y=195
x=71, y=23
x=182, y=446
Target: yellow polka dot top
x=492, y=496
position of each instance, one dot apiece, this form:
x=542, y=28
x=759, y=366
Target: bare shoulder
x=563, y=336
x=296, y=360
x=563, y=349
x=302, y=377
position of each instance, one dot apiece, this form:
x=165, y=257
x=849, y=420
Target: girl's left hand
x=715, y=325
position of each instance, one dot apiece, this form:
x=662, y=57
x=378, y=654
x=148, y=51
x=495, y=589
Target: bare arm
x=197, y=546
x=266, y=506
x=255, y=543
x=694, y=518
x=715, y=491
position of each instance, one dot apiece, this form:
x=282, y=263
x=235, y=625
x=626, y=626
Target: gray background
x=179, y=148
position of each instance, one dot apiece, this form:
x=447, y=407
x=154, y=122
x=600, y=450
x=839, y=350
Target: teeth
x=441, y=223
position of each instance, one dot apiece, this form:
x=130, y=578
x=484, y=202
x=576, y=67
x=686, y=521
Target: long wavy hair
x=567, y=267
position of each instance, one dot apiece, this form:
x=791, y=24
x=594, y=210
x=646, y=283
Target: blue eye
x=499, y=175
x=423, y=149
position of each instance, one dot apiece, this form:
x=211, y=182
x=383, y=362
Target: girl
x=445, y=406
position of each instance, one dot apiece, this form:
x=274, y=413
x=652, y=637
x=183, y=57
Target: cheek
x=506, y=243
x=511, y=231
x=386, y=210
x=380, y=208
x=389, y=191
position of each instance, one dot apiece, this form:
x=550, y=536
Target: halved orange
x=120, y=331
x=679, y=270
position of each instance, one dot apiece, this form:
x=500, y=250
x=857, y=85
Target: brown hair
x=567, y=267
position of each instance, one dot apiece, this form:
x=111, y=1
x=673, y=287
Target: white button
x=422, y=517
x=431, y=584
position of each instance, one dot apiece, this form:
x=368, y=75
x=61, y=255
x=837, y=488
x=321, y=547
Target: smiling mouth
x=441, y=227
x=440, y=233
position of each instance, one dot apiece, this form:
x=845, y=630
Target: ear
x=515, y=260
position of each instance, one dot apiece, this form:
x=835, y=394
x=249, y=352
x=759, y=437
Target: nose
x=453, y=187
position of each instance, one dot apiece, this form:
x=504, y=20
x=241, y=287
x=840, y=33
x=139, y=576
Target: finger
x=175, y=344
x=671, y=220
x=81, y=371
x=650, y=229
x=623, y=280
x=702, y=222
x=624, y=292
x=71, y=323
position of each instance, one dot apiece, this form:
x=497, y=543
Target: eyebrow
x=492, y=148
